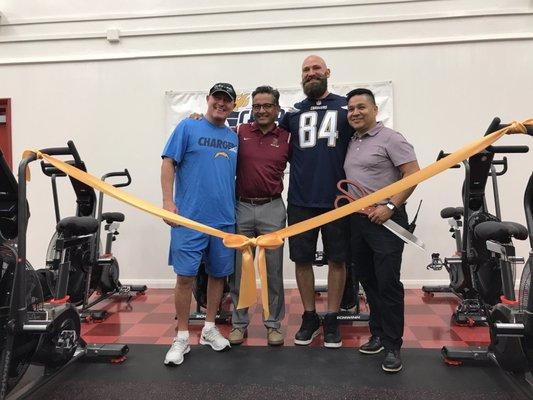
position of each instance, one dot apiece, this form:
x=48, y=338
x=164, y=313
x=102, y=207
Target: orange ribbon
x=248, y=288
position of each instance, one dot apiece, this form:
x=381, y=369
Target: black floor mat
x=256, y=373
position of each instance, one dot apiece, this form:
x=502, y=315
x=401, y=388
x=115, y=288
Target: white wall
x=454, y=65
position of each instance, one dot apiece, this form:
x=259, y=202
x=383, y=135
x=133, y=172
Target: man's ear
x=328, y=73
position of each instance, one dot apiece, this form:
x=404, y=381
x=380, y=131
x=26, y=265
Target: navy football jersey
x=320, y=134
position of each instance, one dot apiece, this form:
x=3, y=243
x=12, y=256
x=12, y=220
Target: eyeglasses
x=266, y=106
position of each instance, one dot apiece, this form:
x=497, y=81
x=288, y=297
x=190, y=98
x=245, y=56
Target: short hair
x=269, y=90
x=361, y=92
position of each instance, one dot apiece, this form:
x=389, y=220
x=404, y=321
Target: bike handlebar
x=442, y=154
x=494, y=149
x=529, y=128
x=508, y=149
x=124, y=173
x=503, y=162
x=70, y=150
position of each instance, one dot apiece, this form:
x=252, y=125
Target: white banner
x=181, y=104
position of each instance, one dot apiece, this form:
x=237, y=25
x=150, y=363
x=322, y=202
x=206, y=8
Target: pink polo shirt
x=373, y=159
x=261, y=161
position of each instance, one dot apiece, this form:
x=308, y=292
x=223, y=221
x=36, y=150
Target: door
x=5, y=131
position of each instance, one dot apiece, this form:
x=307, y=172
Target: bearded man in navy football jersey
x=320, y=134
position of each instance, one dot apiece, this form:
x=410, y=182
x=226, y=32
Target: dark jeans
x=377, y=257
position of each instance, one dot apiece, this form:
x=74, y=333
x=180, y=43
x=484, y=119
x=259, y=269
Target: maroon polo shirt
x=261, y=160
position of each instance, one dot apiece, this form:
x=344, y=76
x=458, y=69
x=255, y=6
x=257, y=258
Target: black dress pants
x=377, y=257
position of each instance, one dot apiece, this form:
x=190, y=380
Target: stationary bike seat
x=500, y=231
x=452, y=212
x=77, y=226
x=110, y=217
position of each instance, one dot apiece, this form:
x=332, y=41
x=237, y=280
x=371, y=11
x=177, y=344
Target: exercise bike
x=94, y=268
x=472, y=270
x=511, y=320
x=199, y=290
x=33, y=331
x=454, y=217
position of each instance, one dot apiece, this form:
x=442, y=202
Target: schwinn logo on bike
x=349, y=317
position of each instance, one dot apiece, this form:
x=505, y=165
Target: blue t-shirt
x=320, y=134
x=206, y=160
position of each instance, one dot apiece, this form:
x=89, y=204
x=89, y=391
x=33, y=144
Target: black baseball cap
x=225, y=88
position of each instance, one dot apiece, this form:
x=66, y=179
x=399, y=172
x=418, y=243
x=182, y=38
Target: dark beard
x=315, y=90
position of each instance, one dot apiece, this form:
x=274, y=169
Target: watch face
x=391, y=206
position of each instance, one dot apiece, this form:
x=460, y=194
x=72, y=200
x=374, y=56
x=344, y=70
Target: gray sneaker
x=214, y=338
x=175, y=354
x=237, y=335
x=274, y=337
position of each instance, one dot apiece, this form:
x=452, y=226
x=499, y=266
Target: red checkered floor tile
x=149, y=319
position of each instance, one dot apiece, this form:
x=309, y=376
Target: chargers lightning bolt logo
x=221, y=154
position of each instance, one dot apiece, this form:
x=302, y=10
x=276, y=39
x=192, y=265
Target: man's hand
x=170, y=206
x=380, y=214
x=196, y=116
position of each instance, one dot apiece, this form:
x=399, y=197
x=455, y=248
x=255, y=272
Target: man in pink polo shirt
x=261, y=161
x=377, y=157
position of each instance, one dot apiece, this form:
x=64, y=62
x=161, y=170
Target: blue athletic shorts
x=188, y=247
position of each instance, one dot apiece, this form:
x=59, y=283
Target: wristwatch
x=391, y=206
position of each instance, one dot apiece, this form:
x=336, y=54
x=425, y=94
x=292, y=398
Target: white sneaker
x=214, y=338
x=175, y=354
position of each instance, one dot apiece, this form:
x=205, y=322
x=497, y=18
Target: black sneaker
x=332, y=333
x=309, y=329
x=373, y=346
x=392, y=362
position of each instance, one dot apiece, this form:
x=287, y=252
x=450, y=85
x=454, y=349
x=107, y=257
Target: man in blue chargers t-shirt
x=198, y=182
x=320, y=134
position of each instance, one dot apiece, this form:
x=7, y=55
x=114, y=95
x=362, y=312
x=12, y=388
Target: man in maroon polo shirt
x=261, y=161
